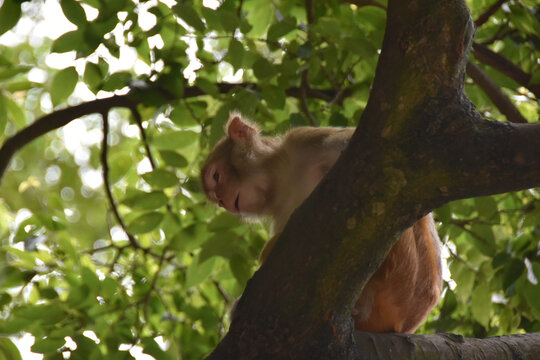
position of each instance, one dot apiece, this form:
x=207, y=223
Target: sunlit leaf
x=145, y=223
x=172, y=140
x=10, y=12
x=481, y=304
x=146, y=201
x=173, y=158
x=63, y=84
x=160, y=178
x=74, y=12
x=198, y=272
x=187, y=13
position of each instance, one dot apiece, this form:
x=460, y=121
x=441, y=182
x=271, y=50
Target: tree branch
x=494, y=92
x=483, y=54
x=454, y=347
x=107, y=185
x=62, y=117
x=483, y=18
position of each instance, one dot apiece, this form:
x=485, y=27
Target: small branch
x=63, y=117
x=138, y=119
x=483, y=54
x=495, y=94
x=107, y=185
x=303, y=99
x=482, y=19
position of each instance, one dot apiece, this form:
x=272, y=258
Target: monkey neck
x=297, y=171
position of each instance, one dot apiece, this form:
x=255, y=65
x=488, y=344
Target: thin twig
x=138, y=119
x=107, y=185
x=496, y=95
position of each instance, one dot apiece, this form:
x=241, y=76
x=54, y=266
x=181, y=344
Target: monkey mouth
x=236, y=203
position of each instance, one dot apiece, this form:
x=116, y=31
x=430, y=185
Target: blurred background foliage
x=72, y=277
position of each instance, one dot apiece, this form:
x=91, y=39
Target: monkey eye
x=216, y=177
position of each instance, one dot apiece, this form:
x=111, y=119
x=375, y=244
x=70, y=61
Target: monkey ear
x=239, y=131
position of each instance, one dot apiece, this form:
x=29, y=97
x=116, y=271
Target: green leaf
x=90, y=279
x=117, y=81
x=220, y=244
x=145, y=223
x=223, y=221
x=228, y=19
x=282, y=28
x=235, y=54
x=63, y=85
x=464, y=279
x=512, y=272
x=8, y=350
x=21, y=85
x=274, y=96
x=119, y=165
x=189, y=238
x=48, y=314
x=173, y=158
x=10, y=13
x=532, y=294
x=74, y=12
x=263, y=69
x=5, y=299
x=48, y=345
x=182, y=117
x=72, y=40
x=187, y=13
x=207, y=87
x=484, y=239
x=240, y=269
x=160, y=178
x=151, y=348
x=172, y=140
x=486, y=206
x=14, y=113
x=197, y=272
x=93, y=76
x=146, y=201
x=10, y=71
x=481, y=304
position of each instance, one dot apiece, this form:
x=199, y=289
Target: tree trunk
x=419, y=144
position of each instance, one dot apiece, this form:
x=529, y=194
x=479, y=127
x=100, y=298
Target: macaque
x=250, y=174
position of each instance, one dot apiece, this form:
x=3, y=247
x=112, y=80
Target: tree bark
x=447, y=346
x=419, y=144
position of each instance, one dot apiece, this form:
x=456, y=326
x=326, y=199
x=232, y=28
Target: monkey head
x=237, y=174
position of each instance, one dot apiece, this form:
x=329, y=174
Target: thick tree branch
x=454, y=347
x=494, y=92
x=62, y=117
x=483, y=54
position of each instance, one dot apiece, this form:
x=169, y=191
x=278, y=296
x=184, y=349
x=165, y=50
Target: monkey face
x=234, y=175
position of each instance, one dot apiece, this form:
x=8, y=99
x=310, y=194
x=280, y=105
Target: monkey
x=263, y=176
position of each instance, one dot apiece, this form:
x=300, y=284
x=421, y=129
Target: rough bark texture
x=447, y=347
x=419, y=144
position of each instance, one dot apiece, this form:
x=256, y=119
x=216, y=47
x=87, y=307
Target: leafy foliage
x=68, y=268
